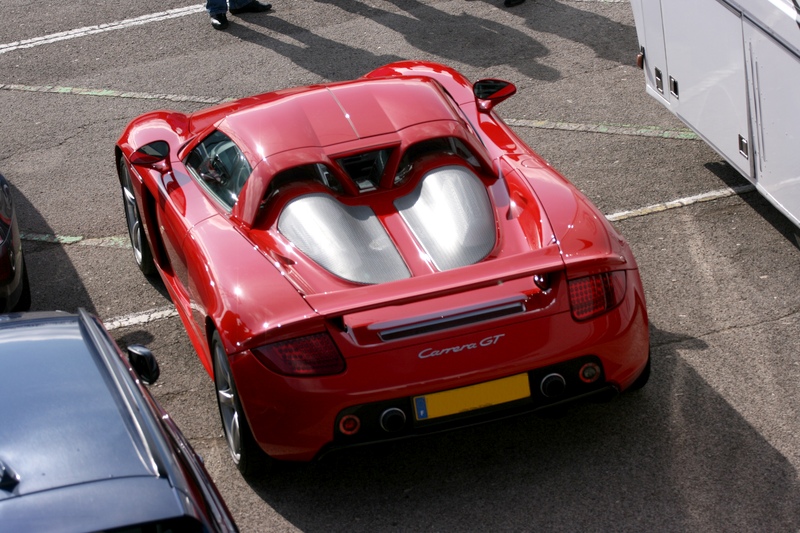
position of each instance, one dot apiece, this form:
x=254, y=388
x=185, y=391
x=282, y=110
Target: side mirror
x=154, y=155
x=144, y=363
x=8, y=478
x=490, y=92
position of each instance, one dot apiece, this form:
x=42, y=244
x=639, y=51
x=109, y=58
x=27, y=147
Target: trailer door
x=707, y=81
x=650, y=32
x=775, y=73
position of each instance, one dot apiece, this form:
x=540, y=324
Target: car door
x=205, y=184
x=200, y=187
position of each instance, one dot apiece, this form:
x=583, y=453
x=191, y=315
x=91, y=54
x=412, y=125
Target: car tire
x=247, y=455
x=24, y=302
x=643, y=378
x=141, y=249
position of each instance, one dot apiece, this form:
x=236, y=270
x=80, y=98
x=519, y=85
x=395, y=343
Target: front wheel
x=248, y=457
x=141, y=249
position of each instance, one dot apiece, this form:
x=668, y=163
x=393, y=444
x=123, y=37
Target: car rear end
x=453, y=360
x=446, y=290
x=518, y=327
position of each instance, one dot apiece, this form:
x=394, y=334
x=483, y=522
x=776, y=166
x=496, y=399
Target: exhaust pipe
x=393, y=420
x=553, y=385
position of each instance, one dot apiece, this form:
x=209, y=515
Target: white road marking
x=100, y=28
x=681, y=202
x=109, y=93
x=613, y=129
x=142, y=318
x=114, y=241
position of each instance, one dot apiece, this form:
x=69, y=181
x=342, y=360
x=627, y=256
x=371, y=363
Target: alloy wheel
x=131, y=213
x=226, y=396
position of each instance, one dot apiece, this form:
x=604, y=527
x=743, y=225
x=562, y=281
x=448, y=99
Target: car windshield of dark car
x=219, y=165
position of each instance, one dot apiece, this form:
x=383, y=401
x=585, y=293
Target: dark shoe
x=253, y=7
x=219, y=21
x=512, y=3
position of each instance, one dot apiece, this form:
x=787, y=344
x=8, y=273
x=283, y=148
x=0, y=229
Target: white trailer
x=730, y=70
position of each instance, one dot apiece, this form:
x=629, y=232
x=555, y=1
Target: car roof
x=315, y=124
x=63, y=420
x=330, y=115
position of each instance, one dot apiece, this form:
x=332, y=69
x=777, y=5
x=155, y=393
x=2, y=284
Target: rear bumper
x=298, y=418
x=396, y=419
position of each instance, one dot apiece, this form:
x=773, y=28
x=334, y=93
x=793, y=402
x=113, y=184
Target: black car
x=15, y=291
x=83, y=445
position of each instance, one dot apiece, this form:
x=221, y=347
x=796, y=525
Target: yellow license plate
x=478, y=396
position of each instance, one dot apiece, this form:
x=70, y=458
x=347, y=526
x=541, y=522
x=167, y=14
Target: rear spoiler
x=487, y=273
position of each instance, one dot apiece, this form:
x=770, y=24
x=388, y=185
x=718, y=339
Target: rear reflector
x=594, y=295
x=313, y=355
x=349, y=424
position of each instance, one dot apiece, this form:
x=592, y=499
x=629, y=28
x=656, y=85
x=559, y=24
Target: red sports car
x=378, y=259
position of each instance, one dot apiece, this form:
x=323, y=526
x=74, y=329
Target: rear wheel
x=248, y=457
x=141, y=249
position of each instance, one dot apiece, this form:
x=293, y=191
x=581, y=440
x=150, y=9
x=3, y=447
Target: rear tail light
x=313, y=355
x=594, y=295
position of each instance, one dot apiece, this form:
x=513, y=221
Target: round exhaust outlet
x=553, y=385
x=393, y=420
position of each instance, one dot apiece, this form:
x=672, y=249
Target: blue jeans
x=215, y=7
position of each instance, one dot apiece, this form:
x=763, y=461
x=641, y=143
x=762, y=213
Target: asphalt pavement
x=712, y=443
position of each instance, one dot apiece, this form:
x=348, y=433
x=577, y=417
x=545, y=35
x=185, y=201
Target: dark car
x=83, y=445
x=15, y=291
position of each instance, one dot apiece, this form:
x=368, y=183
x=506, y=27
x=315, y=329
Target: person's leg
x=215, y=7
x=217, y=10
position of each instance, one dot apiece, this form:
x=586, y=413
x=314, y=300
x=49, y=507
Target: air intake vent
x=453, y=321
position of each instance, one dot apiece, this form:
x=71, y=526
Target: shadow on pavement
x=674, y=456
x=438, y=36
x=757, y=202
x=55, y=283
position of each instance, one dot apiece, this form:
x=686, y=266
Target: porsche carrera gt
x=378, y=259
